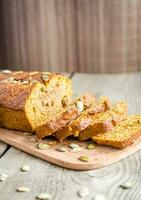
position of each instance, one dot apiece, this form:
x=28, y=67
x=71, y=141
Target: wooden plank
x=64, y=184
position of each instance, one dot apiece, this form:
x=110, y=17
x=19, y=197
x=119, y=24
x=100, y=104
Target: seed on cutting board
x=45, y=77
x=83, y=192
x=61, y=149
x=25, y=168
x=77, y=149
x=126, y=185
x=44, y=196
x=43, y=146
x=73, y=145
x=99, y=197
x=22, y=189
x=84, y=158
x=90, y=146
x=3, y=177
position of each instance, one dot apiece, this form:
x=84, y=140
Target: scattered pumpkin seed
x=22, y=189
x=80, y=106
x=45, y=77
x=34, y=140
x=25, y=82
x=90, y=146
x=83, y=192
x=25, y=168
x=84, y=158
x=126, y=185
x=3, y=177
x=44, y=196
x=73, y=145
x=61, y=149
x=43, y=146
x=100, y=197
x=75, y=150
x=33, y=73
x=10, y=79
x=6, y=71
x=52, y=143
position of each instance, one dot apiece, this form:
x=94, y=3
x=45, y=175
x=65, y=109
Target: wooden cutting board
x=99, y=157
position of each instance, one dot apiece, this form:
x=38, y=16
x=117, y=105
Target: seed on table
x=44, y=196
x=43, y=146
x=75, y=150
x=126, y=185
x=22, y=189
x=34, y=140
x=90, y=146
x=61, y=149
x=25, y=168
x=100, y=197
x=3, y=177
x=84, y=158
x=83, y=192
x=73, y=145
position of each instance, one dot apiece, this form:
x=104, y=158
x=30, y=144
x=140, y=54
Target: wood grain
x=64, y=184
x=78, y=35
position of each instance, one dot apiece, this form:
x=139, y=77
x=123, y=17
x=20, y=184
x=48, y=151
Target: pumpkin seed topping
x=61, y=149
x=25, y=168
x=22, y=189
x=73, y=145
x=84, y=158
x=44, y=196
x=45, y=77
x=25, y=82
x=83, y=192
x=43, y=146
x=80, y=106
x=3, y=177
x=126, y=185
x=75, y=150
x=100, y=197
x=90, y=146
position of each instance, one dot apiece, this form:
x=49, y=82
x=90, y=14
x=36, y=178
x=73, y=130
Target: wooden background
x=71, y=35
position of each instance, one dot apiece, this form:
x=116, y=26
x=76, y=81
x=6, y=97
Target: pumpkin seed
x=25, y=82
x=28, y=133
x=34, y=81
x=10, y=79
x=22, y=189
x=126, y=185
x=18, y=72
x=44, y=196
x=75, y=150
x=25, y=168
x=43, y=146
x=34, y=140
x=33, y=73
x=61, y=149
x=3, y=177
x=84, y=158
x=45, y=77
x=90, y=146
x=6, y=71
x=83, y=192
x=80, y=106
x=100, y=197
x=73, y=145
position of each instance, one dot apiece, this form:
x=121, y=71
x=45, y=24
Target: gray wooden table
x=64, y=184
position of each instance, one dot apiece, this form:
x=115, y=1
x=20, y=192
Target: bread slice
x=122, y=135
x=84, y=120
x=71, y=112
x=28, y=99
x=106, y=121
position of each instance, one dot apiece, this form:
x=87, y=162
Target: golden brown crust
x=84, y=120
x=123, y=134
x=106, y=121
x=70, y=113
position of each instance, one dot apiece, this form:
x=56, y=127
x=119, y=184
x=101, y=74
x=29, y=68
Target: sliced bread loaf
x=72, y=111
x=105, y=121
x=122, y=135
x=84, y=119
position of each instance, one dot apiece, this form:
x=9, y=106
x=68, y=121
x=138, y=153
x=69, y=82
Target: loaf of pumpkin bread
x=122, y=135
x=105, y=121
x=28, y=99
x=71, y=112
x=84, y=119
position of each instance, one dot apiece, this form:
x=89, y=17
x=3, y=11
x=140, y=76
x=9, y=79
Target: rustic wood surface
x=76, y=35
x=64, y=184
